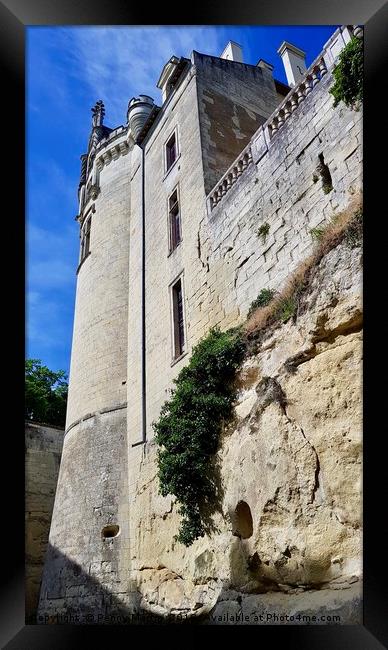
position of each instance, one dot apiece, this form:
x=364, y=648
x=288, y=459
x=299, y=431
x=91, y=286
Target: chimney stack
x=264, y=65
x=233, y=52
x=294, y=62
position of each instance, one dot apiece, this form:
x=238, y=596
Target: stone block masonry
x=87, y=563
x=234, y=99
x=43, y=447
x=284, y=189
x=277, y=172
x=226, y=262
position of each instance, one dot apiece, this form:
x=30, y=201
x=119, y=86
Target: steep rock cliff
x=287, y=535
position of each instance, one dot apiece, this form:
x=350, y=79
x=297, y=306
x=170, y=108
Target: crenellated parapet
x=231, y=176
x=109, y=148
x=266, y=134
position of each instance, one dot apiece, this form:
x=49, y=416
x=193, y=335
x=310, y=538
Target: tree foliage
x=45, y=394
x=190, y=423
x=348, y=74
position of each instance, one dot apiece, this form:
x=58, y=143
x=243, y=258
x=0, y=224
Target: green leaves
x=190, y=423
x=45, y=394
x=348, y=75
x=263, y=299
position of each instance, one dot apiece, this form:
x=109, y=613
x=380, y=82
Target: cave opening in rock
x=110, y=531
x=243, y=523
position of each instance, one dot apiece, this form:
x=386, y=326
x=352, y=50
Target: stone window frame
x=167, y=169
x=85, y=233
x=171, y=249
x=173, y=323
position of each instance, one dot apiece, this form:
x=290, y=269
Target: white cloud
x=70, y=67
x=117, y=63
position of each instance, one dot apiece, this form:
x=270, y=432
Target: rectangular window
x=174, y=221
x=178, y=319
x=85, y=240
x=171, y=151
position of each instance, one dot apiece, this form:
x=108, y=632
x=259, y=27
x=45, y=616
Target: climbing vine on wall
x=348, y=75
x=190, y=423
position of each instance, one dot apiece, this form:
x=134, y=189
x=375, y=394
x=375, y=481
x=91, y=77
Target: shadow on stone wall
x=71, y=596
x=215, y=505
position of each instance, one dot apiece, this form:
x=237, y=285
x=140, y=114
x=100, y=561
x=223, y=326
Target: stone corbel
x=94, y=192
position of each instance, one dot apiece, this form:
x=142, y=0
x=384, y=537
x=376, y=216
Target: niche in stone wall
x=242, y=521
x=110, y=531
x=323, y=171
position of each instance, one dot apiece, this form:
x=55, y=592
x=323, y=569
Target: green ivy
x=264, y=298
x=348, y=74
x=190, y=424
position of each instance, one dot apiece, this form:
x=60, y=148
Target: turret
x=139, y=110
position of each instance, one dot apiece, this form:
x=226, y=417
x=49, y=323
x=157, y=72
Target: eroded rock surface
x=290, y=460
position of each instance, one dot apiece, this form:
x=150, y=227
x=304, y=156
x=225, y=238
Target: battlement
x=264, y=136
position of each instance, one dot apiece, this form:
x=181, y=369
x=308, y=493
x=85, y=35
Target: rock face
x=287, y=536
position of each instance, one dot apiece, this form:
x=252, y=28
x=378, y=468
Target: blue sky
x=67, y=70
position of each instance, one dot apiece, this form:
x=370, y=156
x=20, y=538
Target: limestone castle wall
x=284, y=190
x=92, y=489
x=224, y=261
x=297, y=468
x=275, y=178
x=227, y=265
x=99, y=348
x=234, y=99
x=43, y=448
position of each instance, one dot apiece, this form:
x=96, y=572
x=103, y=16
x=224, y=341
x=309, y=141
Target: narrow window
x=85, y=240
x=178, y=324
x=174, y=221
x=171, y=151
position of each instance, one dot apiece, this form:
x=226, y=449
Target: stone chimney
x=167, y=73
x=264, y=65
x=233, y=52
x=294, y=62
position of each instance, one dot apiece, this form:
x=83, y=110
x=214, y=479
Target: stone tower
x=207, y=100
x=163, y=257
